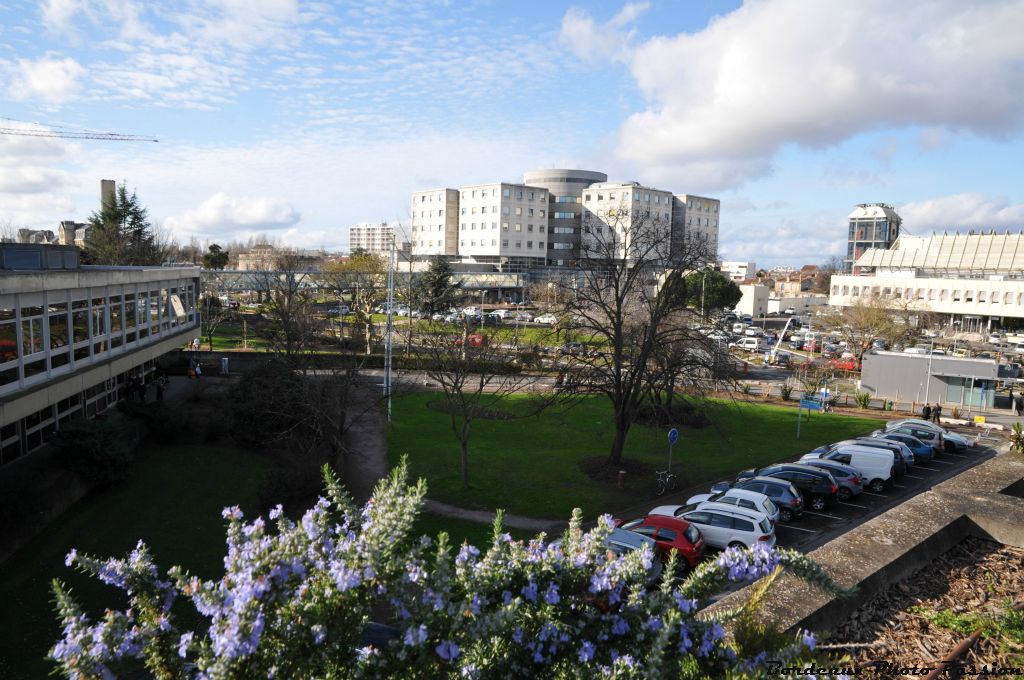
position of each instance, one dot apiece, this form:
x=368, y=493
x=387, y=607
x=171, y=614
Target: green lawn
x=531, y=466
x=173, y=502
x=460, y=530
x=230, y=336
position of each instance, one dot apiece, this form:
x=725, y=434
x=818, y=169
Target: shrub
x=296, y=595
x=863, y=399
x=786, y=391
x=955, y=413
x=101, y=450
x=1017, y=438
x=745, y=388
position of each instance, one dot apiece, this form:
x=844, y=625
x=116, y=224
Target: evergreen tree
x=216, y=258
x=121, y=234
x=434, y=290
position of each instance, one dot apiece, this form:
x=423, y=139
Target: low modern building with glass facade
x=71, y=336
x=958, y=381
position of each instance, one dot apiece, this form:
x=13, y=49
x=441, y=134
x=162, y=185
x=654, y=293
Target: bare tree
x=293, y=324
x=476, y=373
x=365, y=275
x=823, y=278
x=626, y=296
x=871, y=318
x=214, y=313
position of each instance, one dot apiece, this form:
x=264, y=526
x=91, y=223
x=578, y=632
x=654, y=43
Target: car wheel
x=818, y=503
x=737, y=544
x=785, y=515
x=844, y=494
x=877, y=485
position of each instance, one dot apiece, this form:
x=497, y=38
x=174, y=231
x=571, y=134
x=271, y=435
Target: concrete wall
x=932, y=378
x=754, y=301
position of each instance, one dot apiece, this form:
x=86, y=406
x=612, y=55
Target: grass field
x=531, y=466
x=173, y=502
x=460, y=530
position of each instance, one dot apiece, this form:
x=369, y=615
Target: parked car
x=921, y=450
x=753, y=331
x=524, y=316
x=578, y=349
x=843, y=364
x=955, y=441
x=622, y=542
x=929, y=436
x=789, y=311
x=338, y=311
x=904, y=457
x=475, y=340
x=878, y=344
x=502, y=313
x=847, y=477
x=796, y=342
x=875, y=465
x=437, y=316
x=671, y=534
x=549, y=319
x=818, y=487
x=783, y=494
x=471, y=311
x=741, y=498
x=750, y=344
x=725, y=526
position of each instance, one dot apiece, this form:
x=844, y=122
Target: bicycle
x=666, y=481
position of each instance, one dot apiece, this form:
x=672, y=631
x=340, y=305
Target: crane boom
x=25, y=129
x=107, y=136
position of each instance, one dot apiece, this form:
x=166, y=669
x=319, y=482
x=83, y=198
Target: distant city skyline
x=299, y=120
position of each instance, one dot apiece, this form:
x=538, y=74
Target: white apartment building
x=754, y=301
x=503, y=224
x=435, y=222
x=739, y=271
x=975, y=280
x=697, y=217
x=375, y=238
x=614, y=206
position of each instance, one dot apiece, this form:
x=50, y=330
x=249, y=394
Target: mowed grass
x=173, y=502
x=461, y=530
x=531, y=466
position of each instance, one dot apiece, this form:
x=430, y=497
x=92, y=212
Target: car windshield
x=765, y=525
x=632, y=524
x=769, y=506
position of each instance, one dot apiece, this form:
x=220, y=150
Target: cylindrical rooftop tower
x=565, y=209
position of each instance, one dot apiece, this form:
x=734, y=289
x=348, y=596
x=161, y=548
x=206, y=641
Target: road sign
x=673, y=436
x=810, y=404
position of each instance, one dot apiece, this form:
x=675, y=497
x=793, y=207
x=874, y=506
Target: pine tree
x=121, y=234
x=434, y=289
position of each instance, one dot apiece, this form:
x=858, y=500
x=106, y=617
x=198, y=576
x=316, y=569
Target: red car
x=671, y=533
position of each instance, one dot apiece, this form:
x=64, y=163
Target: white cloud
x=961, y=212
x=221, y=213
x=47, y=80
x=590, y=41
x=722, y=101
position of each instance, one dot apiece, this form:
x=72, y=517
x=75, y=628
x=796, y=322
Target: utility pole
x=390, y=326
x=928, y=380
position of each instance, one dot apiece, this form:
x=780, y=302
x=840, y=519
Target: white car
x=501, y=313
x=471, y=311
x=726, y=526
x=790, y=311
x=524, y=316
x=549, y=319
x=741, y=498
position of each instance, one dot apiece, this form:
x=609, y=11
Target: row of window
x=506, y=192
x=504, y=226
x=505, y=210
x=21, y=437
x=932, y=294
x=636, y=196
x=430, y=213
x=504, y=243
x=57, y=332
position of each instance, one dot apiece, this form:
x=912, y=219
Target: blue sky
x=297, y=120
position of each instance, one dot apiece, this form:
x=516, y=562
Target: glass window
x=742, y=524
x=720, y=520
x=668, y=535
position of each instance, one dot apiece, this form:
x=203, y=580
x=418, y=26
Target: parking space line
x=821, y=514
x=922, y=467
x=787, y=526
x=958, y=455
x=942, y=462
x=899, y=486
x=911, y=477
x=854, y=505
x=876, y=495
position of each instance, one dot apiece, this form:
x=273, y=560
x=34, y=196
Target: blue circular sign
x=673, y=436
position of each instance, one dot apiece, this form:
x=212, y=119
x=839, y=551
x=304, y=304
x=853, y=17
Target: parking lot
x=816, y=528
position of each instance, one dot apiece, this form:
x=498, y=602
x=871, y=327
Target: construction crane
x=64, y=132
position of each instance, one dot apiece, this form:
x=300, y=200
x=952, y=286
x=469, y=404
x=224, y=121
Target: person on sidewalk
x=1019, y=405
x=926, y=412
x=937, y=412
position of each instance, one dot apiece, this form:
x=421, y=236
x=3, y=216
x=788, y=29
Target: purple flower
x=551, y=595
x=741, y=564
x=319, y=633
x=70, y=559
x=276, y=511
x=232, y=512
x=586, y=652
x=415, y=636
x=184, y=643
x=620, y=627
x=807, y=637
x=447, y=650
x=530, y=591
x=506, y=597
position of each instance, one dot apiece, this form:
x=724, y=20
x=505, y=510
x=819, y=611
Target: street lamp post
x=702, y=280
x=482, y=292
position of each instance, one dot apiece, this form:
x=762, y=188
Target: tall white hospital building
x=540, y=222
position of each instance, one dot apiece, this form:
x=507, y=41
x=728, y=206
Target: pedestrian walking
x=199, y=370
x=1019, y=403
x=926, y=412
x=937, y=413
x=161, y=385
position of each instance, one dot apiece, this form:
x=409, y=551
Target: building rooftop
x=961, y=253
x=873, y=211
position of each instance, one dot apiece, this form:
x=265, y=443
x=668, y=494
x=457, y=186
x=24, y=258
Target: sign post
x=799, y=414
x=673, y=437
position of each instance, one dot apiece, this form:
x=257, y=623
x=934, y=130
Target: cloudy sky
x=298, y=119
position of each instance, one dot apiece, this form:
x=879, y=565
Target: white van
x=754, y=332
x=876, y=465
x=752, y=344
x=739, y=327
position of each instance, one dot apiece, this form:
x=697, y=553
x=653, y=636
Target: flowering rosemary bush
x=296, y=598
